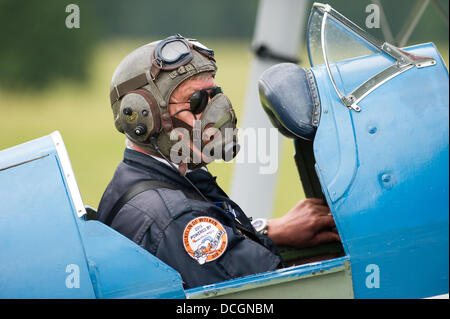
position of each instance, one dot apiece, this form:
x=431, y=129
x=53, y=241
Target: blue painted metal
x=384, y=172
x=121, y=269
x=37, y=242
x=46, y=249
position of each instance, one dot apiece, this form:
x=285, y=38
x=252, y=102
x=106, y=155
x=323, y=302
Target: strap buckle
x=117, y=93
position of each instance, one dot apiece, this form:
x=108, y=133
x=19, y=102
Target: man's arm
x=307, y=224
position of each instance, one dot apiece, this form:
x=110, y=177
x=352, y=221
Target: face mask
x=213, y=136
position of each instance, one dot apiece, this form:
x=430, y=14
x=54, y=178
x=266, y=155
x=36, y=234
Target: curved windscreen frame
x=343, y=28
x=354, y=42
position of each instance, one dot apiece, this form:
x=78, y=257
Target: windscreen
x=333, y=38
x=341, y=42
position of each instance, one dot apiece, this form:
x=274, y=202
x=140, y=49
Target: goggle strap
x=130, y=85
x=154, y=69
x=203, y=52
x=164, y=107
x=155, y=91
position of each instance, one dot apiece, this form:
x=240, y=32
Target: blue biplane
x=370, y=127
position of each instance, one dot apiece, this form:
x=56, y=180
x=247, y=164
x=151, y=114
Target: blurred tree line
x=37, y=47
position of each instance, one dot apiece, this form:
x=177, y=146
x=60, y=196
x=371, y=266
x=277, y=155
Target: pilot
x=165, y=100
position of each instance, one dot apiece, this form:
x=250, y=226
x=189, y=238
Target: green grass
x=82, y=114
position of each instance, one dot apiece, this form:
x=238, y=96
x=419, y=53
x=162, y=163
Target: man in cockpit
x=162, y=196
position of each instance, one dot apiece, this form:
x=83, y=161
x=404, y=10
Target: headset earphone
x=139, y=115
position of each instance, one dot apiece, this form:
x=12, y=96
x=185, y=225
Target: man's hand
x=307, y=224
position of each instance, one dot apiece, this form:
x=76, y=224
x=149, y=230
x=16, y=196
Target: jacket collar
x=201, y=178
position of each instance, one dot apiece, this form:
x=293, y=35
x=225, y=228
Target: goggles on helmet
x=199, y=99
x=176, y=51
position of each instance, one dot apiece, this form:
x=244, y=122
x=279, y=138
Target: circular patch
x=205, y=239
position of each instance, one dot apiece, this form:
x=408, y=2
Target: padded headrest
x=290, y=98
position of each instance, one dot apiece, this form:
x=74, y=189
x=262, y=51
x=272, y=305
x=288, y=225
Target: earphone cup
x=138, y=115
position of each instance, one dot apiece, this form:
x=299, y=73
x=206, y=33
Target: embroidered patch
x=205, y=239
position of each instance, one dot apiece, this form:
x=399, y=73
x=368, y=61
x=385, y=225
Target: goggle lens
x=174, y=51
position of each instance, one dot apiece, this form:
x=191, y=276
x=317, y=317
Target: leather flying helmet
x=143, y=82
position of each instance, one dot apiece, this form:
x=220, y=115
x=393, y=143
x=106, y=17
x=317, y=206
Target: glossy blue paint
x=39, y=239
x=47, y=251
x=384, y=172
x=121, y=269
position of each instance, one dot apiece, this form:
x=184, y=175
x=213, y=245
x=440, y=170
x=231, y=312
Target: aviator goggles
x=176, y=51
x=199, y=99
x=169, y=54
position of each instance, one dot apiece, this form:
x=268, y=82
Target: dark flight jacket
x=157, y=220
